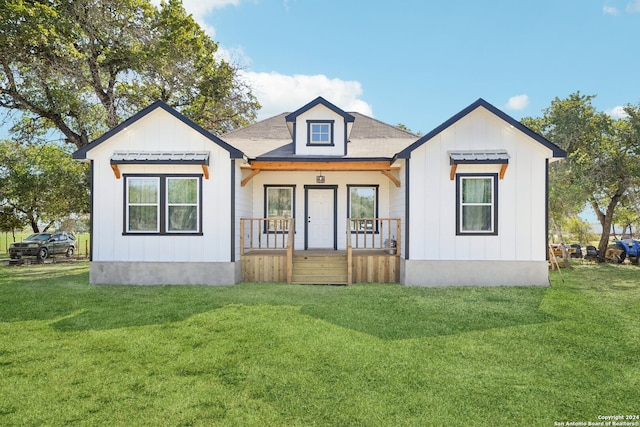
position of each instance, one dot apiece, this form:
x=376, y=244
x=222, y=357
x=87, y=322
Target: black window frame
x=494, y=205
x=266, y=200
x=310, y=141
x=163, y=205
x=376, y=187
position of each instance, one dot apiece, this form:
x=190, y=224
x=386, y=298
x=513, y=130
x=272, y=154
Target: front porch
x=368, y=258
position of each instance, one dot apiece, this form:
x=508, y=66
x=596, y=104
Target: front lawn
x=285, y=355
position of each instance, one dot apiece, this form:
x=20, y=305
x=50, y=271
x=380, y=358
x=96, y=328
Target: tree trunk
x=34, y=225
x=606, y=220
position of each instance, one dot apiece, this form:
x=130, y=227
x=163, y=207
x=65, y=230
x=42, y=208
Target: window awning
x=478, y=157
x=160, y=158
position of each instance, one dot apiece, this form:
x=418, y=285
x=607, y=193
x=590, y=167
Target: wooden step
x=320, y=270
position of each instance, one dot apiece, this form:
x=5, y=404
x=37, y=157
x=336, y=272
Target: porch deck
x=321, y=266
x=267, y=253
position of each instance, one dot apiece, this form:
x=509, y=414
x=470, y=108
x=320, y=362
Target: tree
x=10, y=221
x=80, y=66
x=602, y=168
x=41, y=184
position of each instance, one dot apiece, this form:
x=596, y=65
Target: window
x=143, y=205
x=163, y=204
x=476, y=210
x=363, y=203
x=182, y=205
x=279, y=203
x=320, y=132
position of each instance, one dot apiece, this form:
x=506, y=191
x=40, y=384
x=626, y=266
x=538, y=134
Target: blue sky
x=418, y=62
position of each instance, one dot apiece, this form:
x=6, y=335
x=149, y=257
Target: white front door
x=320, y=215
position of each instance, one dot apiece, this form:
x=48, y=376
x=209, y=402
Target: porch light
x=320, y=179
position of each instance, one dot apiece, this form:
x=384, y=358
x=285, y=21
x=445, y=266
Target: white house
x=320, y=195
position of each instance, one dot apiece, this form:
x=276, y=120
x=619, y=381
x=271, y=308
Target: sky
x=419, y=62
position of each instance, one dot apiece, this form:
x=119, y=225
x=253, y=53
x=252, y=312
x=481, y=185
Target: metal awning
x=160, y=158
x=481, y=157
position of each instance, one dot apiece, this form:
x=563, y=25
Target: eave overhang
x=382, y=165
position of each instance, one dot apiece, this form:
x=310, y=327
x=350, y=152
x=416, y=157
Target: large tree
x=603, y=167
x=41, y=184
x=81, y=66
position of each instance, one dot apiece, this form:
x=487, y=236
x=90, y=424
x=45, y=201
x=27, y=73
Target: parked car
x=576, y=251
x=42, y=245
x=592, y=253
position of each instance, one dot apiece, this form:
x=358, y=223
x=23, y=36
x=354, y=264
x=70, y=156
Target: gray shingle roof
x=369, y=138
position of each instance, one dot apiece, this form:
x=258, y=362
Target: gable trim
x=557, y=151
x=81, y=154
x=291, y=117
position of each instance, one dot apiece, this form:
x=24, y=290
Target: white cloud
x=279, y=93
x=617, y=112
x=610, y=10
x=518, y=102
x=201, y=8
x=634, y=6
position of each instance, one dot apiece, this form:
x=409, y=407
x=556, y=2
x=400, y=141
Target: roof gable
x=291, y=117
x=82, y=152
x=557, y=151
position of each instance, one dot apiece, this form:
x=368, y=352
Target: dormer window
x=320, y=132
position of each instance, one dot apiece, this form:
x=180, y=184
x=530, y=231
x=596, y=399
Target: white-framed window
x=143, y=205
x=363, y=203
x=279, y=203
x=320, y=132
x=476, y=204
x=163, y=204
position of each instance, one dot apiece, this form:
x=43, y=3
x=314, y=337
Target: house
x=320, y=195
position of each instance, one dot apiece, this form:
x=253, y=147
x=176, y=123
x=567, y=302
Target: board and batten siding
x=244, y=203
x=114, y=251
x=521, y=223
x=397, y=202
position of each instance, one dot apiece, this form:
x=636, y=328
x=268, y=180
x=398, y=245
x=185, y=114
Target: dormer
x=320, y=129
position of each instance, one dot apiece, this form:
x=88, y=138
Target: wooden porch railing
x=266, y=233
x=375, y=234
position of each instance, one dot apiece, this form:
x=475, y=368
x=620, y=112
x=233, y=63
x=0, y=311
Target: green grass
x=273, y=354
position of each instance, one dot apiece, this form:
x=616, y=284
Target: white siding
x=320, y=112
x=521, y=194
x=160, y=131
x=341, y=179
x=244, y=204
x=397, y=202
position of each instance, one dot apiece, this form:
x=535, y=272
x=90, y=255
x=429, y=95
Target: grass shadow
x=61, y=294
x=399, y=312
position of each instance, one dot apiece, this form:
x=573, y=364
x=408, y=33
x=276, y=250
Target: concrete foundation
x=164, y=273
x=474, y=273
